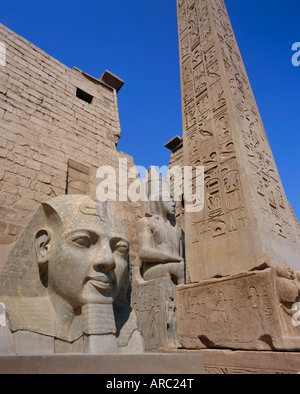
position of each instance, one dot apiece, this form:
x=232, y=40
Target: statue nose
x=105, y=261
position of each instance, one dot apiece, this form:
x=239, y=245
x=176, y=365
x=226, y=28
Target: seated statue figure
x=160, y=240
x=161, y=265
x=63, y=277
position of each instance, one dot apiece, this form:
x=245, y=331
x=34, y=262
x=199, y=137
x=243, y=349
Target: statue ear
x=42, y=245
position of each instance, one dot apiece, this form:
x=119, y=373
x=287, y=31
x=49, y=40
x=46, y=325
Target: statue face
x=88, y=263
x=168, y=204
x=171, y=207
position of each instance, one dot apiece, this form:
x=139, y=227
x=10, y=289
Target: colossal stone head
x=73, y=253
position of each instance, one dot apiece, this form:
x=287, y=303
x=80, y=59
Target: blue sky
x=138, y=41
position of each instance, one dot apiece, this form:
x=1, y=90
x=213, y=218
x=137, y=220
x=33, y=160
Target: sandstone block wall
x=57, y=126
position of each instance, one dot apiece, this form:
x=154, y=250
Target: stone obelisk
x=247, y=222
x=243, y=248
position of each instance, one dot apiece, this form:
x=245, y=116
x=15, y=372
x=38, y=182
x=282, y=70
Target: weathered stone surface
x=251, y=311
x=227, y=362
x=6, y=341
x=63, y=277
x=154, y=302
x=246, y=222
x=31, y=344
x=146, y=364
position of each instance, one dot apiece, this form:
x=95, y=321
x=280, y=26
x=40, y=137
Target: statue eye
x=121, y=247
x=83, y=241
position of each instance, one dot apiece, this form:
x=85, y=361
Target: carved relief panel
x=244, y=311
x=154, y=304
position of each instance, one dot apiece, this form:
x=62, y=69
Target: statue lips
x=102, y=282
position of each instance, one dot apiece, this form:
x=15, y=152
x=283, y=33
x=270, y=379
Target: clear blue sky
x=138, y=41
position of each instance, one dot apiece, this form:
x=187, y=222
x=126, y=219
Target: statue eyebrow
x=83, y=229
x=99, y=233
x=119, y=236
x=89, y=210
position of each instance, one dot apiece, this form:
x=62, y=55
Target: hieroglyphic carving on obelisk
x=246, y=222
